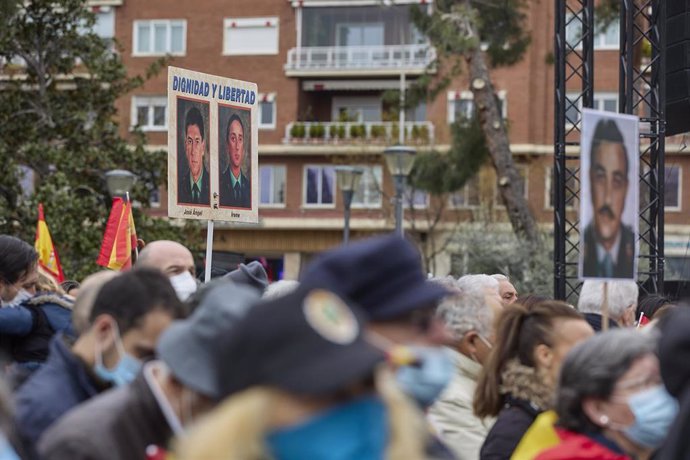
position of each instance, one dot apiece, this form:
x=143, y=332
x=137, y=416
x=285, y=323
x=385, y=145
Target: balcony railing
x=416, y=132
x=343, y=59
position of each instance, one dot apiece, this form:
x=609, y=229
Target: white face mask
x=21, y=296
x=184, y=285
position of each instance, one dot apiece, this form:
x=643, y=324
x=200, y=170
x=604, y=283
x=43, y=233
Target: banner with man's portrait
x=212, y=147
x=609, y=196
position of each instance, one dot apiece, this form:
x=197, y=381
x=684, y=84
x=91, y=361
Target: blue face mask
x=124, y=371
x=425, y=382
x=355, y=430
x=654, y=410
x=7, y=452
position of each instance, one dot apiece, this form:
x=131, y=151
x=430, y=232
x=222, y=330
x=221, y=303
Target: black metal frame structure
x=642, y=92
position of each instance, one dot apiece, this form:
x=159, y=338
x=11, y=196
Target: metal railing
x=360, y=57
x=416, y=132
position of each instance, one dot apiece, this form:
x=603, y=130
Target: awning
x=350, y=85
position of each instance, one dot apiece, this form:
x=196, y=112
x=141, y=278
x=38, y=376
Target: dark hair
x=651, y=304
x=607, y=131
x=134, y=294
x=17, y=258
x=591, y=370
x=519, y=331
x=194, y=118
x=233, y=117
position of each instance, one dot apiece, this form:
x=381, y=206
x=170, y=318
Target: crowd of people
x=364, y=357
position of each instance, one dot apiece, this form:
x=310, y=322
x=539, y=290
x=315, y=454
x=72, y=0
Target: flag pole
x=136, y=246
x=605, y=308
x=209, y=251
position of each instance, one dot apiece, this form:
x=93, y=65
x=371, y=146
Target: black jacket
x=184, y=189
x=117, y=425
x=513, y=421
x=622, y=267
x=62, y=383
x=674, y=356
x=596, y=321
x=227, y=193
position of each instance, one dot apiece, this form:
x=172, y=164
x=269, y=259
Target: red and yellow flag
x=120, y=237
x=47, y=254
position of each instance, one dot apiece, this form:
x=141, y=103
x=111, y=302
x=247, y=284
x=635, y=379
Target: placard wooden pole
x=605, y=308
x=209, y=252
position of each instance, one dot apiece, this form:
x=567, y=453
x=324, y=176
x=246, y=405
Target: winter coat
x=62, y=383
x=31, y=325
x=117, y=425
x=545, y=441
x=452, y=415
x=525, y=396
x=674, y=355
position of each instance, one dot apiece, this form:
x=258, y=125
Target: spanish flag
x=120, y=237
x=47, y=254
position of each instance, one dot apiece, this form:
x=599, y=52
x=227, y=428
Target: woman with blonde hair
x=519, y=379
x=304, y=382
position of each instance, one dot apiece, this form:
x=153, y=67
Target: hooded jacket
x=525, y=396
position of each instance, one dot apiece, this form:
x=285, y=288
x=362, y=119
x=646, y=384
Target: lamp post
x=119, y=182
x=348, y=178
x=399, y=159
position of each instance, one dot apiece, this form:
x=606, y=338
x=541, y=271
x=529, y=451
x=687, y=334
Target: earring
x=604, y=420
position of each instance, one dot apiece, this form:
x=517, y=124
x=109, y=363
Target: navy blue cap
x=382, y=275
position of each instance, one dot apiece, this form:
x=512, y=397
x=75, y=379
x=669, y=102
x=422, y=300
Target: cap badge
x=328, y=315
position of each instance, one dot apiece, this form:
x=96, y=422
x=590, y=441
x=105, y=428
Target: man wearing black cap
x=384, y=276
x=168, y=395
x=305, y=383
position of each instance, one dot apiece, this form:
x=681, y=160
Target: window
x=359, y=109
x=467, y=196
x=602, y=101
x=272, y=185
x=604, y=39
x=105, y=23
x=415, y=198
x=150, y=113
x=571, y=183
x=357, y=23
x=672, y=187
x=267, y=111
x=368, y=193
x=416, y=114
x=524, y=172
x=247, y=36
x=359, y=34
x=158, y=37
x=461, y=105
x=319, y=186
x=155, y=198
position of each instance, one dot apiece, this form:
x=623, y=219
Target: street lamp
x=399, y=159
x=348, y=178
x=119, y=182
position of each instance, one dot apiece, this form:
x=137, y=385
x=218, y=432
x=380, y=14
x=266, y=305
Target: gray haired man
x=622, y=303
x=469, y=315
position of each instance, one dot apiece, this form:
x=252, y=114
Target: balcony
x=349, y=133
x=384, y=60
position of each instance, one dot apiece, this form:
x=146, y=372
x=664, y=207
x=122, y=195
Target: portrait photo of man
x=609, y=200
x=235, y=184
x=192, y=175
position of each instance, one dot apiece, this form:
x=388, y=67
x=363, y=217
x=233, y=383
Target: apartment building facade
x=322, y=68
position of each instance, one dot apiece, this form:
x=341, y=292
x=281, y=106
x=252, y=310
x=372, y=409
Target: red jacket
x=576, y=446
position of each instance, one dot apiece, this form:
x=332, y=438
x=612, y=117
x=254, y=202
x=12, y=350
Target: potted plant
x=297, y=131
